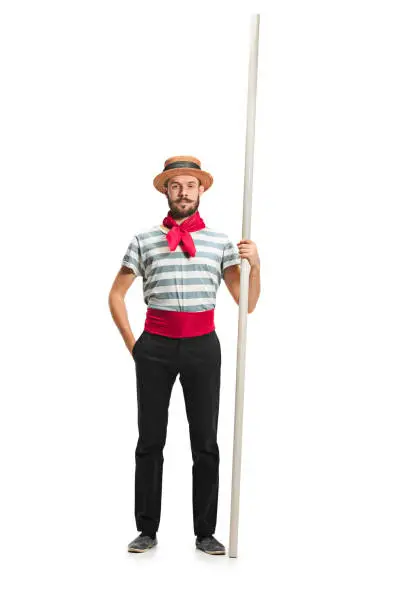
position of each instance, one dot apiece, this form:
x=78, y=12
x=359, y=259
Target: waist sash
x=176, y=324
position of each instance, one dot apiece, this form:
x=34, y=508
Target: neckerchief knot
x=180, y=233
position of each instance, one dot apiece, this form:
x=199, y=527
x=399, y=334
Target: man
x=182, y=263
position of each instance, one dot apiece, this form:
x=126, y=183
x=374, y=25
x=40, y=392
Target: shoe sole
x=208, y=552
x=213, y=552
x=141, y=550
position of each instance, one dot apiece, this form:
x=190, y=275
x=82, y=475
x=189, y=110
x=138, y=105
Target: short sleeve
x=230, y=256
x=133, y=257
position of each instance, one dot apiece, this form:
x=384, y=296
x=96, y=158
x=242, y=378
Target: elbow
x=249, y=309
x=115, y=295
x=252, y=308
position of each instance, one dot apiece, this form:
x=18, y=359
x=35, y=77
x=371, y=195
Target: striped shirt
x=172, y=280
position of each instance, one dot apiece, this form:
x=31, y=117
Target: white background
x=95, y=96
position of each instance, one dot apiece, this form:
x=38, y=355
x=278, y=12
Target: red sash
x=176, y=324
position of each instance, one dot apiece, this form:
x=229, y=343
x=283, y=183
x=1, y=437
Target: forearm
x=118, y=310
x=254, y=289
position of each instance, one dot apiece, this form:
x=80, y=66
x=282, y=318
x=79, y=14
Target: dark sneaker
x=142, y=543
x=210, y=545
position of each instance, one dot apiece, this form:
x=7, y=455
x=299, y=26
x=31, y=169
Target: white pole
x=244, y=284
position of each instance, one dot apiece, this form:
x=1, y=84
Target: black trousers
x=158, y=360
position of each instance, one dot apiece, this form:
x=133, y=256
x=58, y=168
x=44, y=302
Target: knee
x=144, y=448
x=207, y=449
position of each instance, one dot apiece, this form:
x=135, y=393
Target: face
x=183, y=195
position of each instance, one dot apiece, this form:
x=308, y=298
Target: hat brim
x=204, y=177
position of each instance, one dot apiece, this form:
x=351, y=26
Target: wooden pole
x=244, y=284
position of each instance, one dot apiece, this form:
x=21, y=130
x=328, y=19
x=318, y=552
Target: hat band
x=182, y=164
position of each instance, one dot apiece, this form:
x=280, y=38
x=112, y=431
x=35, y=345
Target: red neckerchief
x=181, y=233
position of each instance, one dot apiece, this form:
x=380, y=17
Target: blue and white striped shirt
x=172, y=280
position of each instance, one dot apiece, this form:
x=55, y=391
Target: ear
x=201, y=189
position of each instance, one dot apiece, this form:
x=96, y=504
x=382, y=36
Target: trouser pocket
x=140, y=338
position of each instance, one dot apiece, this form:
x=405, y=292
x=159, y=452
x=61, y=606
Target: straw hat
x=182, y=164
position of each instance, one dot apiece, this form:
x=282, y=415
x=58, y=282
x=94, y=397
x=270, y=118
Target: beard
x=178, y=211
